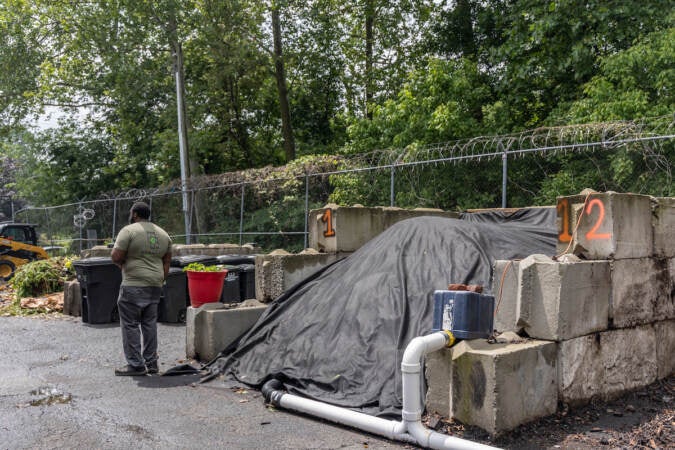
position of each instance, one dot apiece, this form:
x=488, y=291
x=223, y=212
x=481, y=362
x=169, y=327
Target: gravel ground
x=642, y=419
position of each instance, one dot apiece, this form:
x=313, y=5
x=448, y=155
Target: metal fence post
x=504, y=178
x=114, y=224
x=241, y=214
x=49, y=232
x=79, y=211
x=306, y=207
x=391, y=187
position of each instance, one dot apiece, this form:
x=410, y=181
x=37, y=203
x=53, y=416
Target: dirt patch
x=642, y=419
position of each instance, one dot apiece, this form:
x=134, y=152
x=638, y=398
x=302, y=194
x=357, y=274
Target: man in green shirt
x=143, y=251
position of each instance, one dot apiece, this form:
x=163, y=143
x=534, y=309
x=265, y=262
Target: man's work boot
x=153, y=367
x=130, y=371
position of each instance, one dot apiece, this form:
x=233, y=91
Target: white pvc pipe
x=410, y=429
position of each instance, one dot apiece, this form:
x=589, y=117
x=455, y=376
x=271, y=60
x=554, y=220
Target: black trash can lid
x=236, y=260
x=246, y=268
x=93, y=261
x=182, y=261
x=232, y=269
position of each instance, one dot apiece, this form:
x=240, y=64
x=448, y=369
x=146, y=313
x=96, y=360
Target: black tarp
x=543, y=217
x=339, y=336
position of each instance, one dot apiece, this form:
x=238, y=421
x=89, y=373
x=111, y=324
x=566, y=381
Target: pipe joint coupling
x=411, y=368
x=411, y=416
x=451, y=338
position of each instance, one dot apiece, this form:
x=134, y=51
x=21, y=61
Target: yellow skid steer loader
x=18, y=246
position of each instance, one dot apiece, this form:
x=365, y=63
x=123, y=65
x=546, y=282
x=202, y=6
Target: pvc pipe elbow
x=269, y=388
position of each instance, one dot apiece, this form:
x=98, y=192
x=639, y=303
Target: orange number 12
x=327, y=218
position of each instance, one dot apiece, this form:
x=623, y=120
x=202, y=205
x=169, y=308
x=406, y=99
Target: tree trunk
x=370, y=38
x=280, y=75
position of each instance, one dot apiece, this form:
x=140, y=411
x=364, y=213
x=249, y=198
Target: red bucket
x=205, y=287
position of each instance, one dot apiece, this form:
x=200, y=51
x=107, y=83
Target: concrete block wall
x=213, y=326
x=183, y=250
x=279, y=270
x=494, y=386
x=337, y=229
x=607, y=307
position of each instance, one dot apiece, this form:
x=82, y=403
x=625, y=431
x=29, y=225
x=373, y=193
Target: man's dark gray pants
x=137, y=308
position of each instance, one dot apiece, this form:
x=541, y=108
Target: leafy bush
x=37, y=278
x=199, y=267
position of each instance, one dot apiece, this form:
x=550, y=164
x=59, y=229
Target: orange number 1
x=327, y=218
x=563, y=207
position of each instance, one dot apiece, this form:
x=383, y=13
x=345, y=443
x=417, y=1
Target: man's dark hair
x=142, y=209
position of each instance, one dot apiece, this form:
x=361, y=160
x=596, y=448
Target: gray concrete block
x=663, y=221
x=562, y=300
x=213, y=326
x=612, y=225
x=665, y=348
x=278, y=271
x=500, y=386
x=438, y=373
x=505, y=282
x=605, y=365
x=72, y=298
x=97, y=250
x=640, y=292
x=194, y=326
x=212, y=249
x=335, y=229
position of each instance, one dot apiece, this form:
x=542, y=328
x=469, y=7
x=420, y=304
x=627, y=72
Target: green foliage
x=37, y=278
x=362, y=75
x=199, y=267
x=440, y=102
x=636, y=82
x=551, y=48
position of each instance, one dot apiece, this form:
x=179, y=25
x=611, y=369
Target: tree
x=550, y=49
x=280, y=75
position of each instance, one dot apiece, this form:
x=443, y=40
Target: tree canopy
x=330, y=77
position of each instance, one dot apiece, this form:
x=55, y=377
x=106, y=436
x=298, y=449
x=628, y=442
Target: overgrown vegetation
x=357, y=76
x=36, y=279
x=199, y=267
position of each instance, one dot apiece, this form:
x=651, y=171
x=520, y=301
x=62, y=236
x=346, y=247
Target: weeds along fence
x=270, y=206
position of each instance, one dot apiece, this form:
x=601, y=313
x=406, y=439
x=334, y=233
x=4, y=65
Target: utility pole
x=182, y=137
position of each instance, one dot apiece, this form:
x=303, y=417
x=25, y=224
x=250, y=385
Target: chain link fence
x=270, y=206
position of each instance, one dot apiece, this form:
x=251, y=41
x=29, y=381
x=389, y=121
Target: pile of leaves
x=36, y=287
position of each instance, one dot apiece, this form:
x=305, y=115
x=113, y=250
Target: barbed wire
x=552, y=140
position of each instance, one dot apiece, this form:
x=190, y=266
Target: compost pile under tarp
x=339, y=336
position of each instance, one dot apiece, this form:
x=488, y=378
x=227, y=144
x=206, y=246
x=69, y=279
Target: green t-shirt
x=145, y=244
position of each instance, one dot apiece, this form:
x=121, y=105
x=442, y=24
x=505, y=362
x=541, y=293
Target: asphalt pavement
x=58, y=390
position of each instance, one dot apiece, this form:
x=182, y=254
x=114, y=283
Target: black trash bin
x=174, y=302
x=231, y=286
x=184, y=261
x=235, y=260
x=100, y=281
x=247, y=281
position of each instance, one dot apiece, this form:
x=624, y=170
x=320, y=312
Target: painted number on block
x=327, y=218
x=593, y=232
x=564, y=210
x=565, y=231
